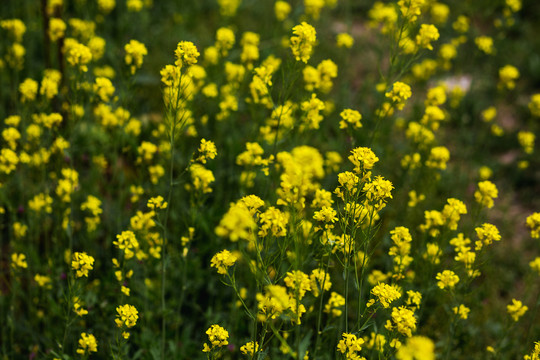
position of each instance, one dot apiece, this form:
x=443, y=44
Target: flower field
x=239, y=179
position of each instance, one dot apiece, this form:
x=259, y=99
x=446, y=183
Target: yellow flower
x=134, y=5
x=508, y=76
x=385, y=294
x=399, y=94
x=487, y=233
x=298, y=282
x=15, y=28
x=363, y=159
x=28, y=89
x=534, y=105
x=447, y=279
x=462, y=311
x=103, y=88
x=18, y=261
x=461, y=24
x=222, y=261
x=157, y=203
x=426, y=35
x=312, y=109
x=228, y=7
x=350, y=345
x=485, y=44
x=313, y=8
x=516, y=309
x=335, y=304
x=327, y=214
x=344, y=40
x=526, y=140
x=217, y=336
x=378, y=190
x=403, y=321
x=225, y=40
x=350, y=117
x=57, y=29
x=487, y=191
x=186, y=54
x=78, y=55
x=249, y=349
x=533, y=223
x=237, y=223
x=43, y=281
x=128, y=242
x=438, y=157
x=207, y=150
x=320, y=280
x=82, y=263
x=135, y=51
x=106, y=6
x=302, y=41
x=87, y=344
x=417, y=348
x=201, y=178
x=411, y=9
x=282, y=10
x=127, y=316
x=274, y=222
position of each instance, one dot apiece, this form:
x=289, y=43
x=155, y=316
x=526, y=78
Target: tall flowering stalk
x=175, y=96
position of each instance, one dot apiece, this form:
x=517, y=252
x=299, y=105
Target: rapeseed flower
x=157, y=203
x=135, y=52
x=237, y=223
x=82, y=263
x=417, y=348
x=447, y=279
x=186, y=54
x=485, y=44
x=28, y=89
x=462, y=311
x=487, y=233
x=87, y=344
x=399, y=93
x=222, y=261
x=217, y=336
x=302, y=41
x=298, y=282
x=57, y=29
x=516, y=309
x=78, y=55
x=126, y=318
x=249, y=348
x=344, y=40
x=335, y=304
x=273, y=222
x=350, y=345
x=533, y=223
x=486, y=192
x=385, y=294
x=127, y=242
x=508, y=76
x=438, y=158
x=426, y=35
x=526, y=140
x=534, y=105
x=319, y=281
x=18, y=261
x=411, y=9
x=403, y=321
x=225, y=40
x=350, y=117
x=282, y=10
